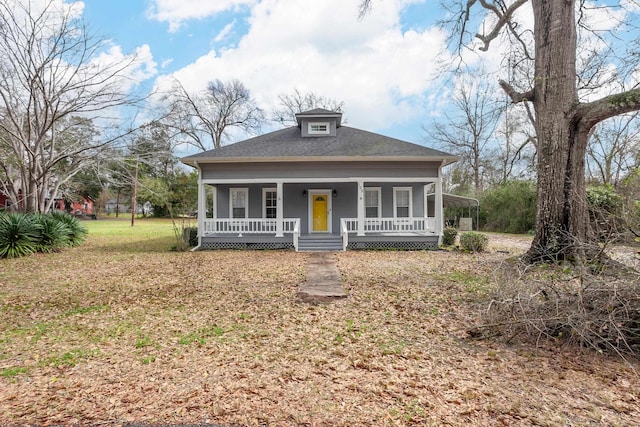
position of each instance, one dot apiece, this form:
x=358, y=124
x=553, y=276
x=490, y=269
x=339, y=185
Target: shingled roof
x=349, y=144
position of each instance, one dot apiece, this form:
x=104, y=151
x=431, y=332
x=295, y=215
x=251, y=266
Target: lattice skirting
x=398, y=246
x=246, y=246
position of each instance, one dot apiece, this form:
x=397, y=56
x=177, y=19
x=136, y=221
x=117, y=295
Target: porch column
x=425, y=193
x=279, y=209
x=202, y=207
x=439, y=211
x=360, y=208
x=214, y=202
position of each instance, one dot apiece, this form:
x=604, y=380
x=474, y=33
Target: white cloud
x=166, y=63
x=380, y=72
x=128, y=70
x=224, y=33
x=175, y=12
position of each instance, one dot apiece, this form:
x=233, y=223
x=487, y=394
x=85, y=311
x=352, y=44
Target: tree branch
x=595, y=112
x=504, y=17
x=515, y=96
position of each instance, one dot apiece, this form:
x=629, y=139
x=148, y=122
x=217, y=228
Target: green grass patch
x=143, y=342
x=147, y=234
x=69, y=358
x=201, y=335
x=13, y=371
x=147, y=360
x=473, y=284
x=33, y=333
x=85, y=310
x=191, y=338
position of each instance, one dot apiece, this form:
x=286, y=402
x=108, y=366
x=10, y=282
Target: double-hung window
x=402, y=206
x=239, y=206
x=372, y=202
x=269, y=202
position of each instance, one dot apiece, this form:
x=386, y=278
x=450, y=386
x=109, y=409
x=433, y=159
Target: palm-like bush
x=19, y=235
x=77, y=232
x=53, y=234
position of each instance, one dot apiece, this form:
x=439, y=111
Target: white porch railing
x=249, y=225
x=390, y=225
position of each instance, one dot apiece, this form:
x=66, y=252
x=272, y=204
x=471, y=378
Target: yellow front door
x=320, y=212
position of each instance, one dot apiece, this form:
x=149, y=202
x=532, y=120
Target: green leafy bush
x=510, y=207
x=19, y=235
x=449, y=236
x=473, y=242
x=604, y=198
x=606, y=213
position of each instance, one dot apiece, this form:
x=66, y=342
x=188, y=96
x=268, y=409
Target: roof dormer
x=318, y=122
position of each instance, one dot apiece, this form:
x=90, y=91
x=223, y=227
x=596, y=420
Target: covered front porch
x=312, y=214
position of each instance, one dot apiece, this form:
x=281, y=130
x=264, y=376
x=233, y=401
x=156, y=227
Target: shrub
x=605, y=213
x=604, y=198
x=19, y=235
x=449, y=236
x=510, y=207
x=190, y=235
x=473, y=242
x=53, y=235
x=76, y=232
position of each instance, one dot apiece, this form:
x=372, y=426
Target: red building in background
x=84, y=206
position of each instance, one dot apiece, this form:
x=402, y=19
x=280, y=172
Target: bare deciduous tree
x=204, y=119
x=563, y=121
x=515, y=157
x=613, y=150
x=297, y=102
x=52, y=72
x=468, y=129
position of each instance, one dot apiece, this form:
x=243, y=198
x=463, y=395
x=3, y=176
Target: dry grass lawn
x=123, y=330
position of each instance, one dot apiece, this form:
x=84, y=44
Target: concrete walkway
x=323, y=283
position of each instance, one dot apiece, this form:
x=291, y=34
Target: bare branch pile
x=553, y=304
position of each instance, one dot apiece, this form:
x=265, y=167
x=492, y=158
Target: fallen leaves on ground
x=221, y=337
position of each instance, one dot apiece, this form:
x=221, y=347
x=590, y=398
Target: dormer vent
x=319, y=128
x=318, y=122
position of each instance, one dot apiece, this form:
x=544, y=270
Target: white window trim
x=246, y=208
x=264, y=200
x=395, y=205
x=379, y=191
x=316, y=132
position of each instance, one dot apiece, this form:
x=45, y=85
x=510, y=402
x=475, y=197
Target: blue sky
x=380, y=66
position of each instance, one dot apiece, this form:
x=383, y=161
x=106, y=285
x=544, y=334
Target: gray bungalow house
x=320, y=186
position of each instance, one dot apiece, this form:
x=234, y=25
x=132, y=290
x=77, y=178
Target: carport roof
x=455, y=201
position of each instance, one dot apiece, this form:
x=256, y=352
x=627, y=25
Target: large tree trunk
x=561, y=218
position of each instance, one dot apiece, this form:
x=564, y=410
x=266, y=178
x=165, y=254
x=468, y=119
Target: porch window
x=402, y=206
x=269, y=202
x=239, y=203
x=372, y=202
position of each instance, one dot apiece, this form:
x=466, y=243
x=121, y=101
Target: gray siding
x=318, y=170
